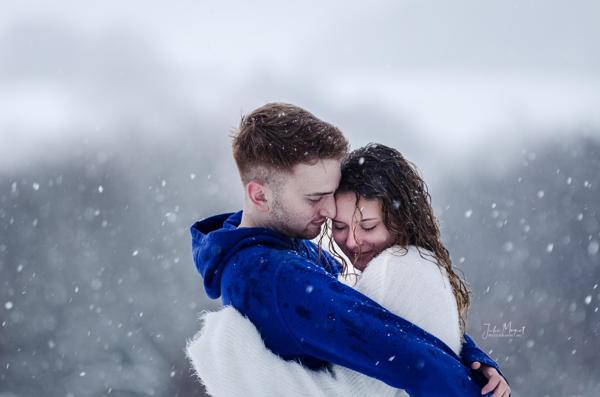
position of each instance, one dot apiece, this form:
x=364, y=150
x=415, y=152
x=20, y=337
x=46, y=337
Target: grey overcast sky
x=457, y=72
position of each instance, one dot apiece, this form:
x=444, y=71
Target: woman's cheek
x=340, y=238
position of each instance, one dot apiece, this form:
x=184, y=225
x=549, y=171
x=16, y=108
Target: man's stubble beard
x=281, y=222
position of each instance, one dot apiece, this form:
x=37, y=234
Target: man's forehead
x=318, y=178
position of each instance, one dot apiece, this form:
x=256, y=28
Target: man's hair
x=278, y=136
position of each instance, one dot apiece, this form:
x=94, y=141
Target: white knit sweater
x=230, y=358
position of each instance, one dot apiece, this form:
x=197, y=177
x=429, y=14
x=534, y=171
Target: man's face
x=304, y=200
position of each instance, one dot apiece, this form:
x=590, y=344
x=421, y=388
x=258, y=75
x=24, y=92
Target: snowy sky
x=458, y=73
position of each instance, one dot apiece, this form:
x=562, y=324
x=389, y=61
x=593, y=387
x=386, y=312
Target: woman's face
x=360, y=233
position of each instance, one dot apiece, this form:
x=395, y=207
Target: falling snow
x=99, y=286
x=593, y=247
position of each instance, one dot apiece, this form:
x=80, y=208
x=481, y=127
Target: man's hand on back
x=496, y=382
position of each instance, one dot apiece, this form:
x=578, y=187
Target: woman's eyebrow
x=368, y=219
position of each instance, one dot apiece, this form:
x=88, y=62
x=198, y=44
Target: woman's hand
x=496, y=382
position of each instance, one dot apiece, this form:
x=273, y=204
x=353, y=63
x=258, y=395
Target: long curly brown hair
x=381, y=172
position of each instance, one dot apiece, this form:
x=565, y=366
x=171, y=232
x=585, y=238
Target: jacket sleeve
x=337, y=324
x=471, y=353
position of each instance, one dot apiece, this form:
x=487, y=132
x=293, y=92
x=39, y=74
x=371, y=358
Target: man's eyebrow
x=319, y=194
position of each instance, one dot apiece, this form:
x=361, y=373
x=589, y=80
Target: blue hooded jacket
x=290, y=292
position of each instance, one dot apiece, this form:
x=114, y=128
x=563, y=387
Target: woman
x=385, y=226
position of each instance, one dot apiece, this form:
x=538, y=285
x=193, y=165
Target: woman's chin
x=361, y=263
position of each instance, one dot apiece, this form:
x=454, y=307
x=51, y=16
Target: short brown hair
x=278, y=136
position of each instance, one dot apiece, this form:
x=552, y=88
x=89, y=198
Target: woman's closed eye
x=339, y=226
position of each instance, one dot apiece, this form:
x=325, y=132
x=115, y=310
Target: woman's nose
x=352, y=242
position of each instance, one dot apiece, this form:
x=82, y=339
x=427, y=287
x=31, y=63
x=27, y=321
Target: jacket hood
x=217, y=239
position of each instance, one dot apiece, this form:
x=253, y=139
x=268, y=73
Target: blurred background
x=114, y=138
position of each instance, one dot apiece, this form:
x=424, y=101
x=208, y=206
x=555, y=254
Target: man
x=260, y=262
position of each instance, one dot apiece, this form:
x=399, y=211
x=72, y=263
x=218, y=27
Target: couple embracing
x=292, y=323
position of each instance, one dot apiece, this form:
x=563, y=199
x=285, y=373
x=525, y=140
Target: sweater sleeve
x=229, y=357
x=337, y=324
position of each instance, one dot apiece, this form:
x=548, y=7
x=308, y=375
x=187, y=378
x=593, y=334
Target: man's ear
x=259, y=194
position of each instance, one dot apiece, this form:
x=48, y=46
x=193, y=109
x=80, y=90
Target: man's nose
x=328, y=209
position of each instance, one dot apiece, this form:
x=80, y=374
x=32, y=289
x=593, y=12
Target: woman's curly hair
x=381, y=172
